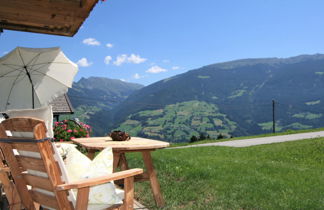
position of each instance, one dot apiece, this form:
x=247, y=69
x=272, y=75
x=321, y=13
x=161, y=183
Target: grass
x=287, y=175
x=288, y=132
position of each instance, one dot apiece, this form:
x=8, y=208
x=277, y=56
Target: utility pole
x=273, y=117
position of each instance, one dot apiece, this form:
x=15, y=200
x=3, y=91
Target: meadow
x=277, y=176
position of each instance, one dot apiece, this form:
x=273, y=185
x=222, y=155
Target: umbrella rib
x=10, y=64
x=48, y=76
x=13, y=70
x=35, y=57
x=13, y=84
x=48, y=63
x=32, y=70
x=21, y=57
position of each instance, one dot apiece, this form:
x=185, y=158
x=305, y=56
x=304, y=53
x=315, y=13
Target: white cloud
x=120, y=60
x=155, y=70
x=137, y=76
x=83, y=62
x=175, y=67
x=91, y=41
x=124, y=58
x=123, y=80
x=109, y=45
x=136, y=59
x=108, y=59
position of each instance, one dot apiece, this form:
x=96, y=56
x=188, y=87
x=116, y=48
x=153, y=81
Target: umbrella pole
x=31, y=82
x=33, y=96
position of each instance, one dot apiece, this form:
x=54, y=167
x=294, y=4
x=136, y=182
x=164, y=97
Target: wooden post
x=273, y=117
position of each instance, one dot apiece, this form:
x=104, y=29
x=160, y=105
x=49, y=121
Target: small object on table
x=119, y=136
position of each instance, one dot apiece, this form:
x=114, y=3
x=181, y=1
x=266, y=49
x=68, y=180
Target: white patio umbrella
x=33, y=77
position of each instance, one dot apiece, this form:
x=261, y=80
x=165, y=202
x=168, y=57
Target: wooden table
x=136, y=144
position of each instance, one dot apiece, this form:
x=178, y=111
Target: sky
x=144, y=41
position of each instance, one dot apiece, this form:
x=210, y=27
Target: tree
x=220, y=136
x=193, y=139
x=202, y=137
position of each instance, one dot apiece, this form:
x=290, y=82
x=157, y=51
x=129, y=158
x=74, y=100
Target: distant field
x=278, y=176
x=249, y=137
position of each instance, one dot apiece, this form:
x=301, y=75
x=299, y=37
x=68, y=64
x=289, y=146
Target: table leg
x=91, y=154
x=123, y=162
x=116, y=161
x=120, y=161
x=155, y=186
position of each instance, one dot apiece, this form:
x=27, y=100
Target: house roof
x=58, y=17
x=62, y=105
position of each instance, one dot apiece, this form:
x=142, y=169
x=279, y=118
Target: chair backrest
x=33, y=164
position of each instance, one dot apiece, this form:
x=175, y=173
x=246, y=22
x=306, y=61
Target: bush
x=193, y=139
x=67, y=130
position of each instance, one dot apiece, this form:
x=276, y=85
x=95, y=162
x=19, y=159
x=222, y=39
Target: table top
x=135, y=143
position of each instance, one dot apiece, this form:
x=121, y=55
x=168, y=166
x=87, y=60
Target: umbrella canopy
x=33, y=77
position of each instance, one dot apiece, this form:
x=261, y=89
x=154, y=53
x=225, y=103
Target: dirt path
x=258, y=141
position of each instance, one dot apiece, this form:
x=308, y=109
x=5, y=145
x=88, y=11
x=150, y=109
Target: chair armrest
x=4, y=169
x=100, y=180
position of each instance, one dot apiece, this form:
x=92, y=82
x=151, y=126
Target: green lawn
x=277, y=176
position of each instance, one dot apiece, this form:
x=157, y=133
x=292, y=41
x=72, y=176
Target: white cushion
x=80, y=167
x=64, y=148
x=43, y=113
x=64, y=177
x=1, y=118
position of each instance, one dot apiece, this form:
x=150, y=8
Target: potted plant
x=67, y=130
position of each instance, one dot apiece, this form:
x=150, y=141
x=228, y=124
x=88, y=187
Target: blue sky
x=144, y=41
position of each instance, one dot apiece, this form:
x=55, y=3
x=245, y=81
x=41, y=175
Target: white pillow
x=80, y=167
x=1, y=118
x=64, y=148
x=43, y=113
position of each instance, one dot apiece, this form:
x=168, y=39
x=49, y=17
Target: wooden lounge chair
x=49, y=191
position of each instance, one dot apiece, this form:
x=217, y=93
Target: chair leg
x=129, y=193
x=82, y=198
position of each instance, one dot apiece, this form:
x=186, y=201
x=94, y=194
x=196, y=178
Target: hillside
x=94, y=97
x=100, y=92
x=240, y=91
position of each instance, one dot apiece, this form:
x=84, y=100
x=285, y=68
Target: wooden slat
x=54, y=172
x=31, y=147
x=43, y=199
x=31, y=163
x=10, y=189
x=16, y=173
x=23, y=124
x=38, y=182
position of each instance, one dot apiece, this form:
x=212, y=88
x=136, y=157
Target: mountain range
x=232, y=98
x=94, y=97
